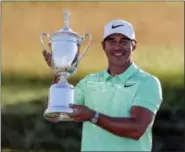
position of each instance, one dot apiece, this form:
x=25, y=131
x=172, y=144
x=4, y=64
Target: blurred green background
x=26, y=78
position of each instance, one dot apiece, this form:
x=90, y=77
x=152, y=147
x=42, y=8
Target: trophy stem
x=63, y=79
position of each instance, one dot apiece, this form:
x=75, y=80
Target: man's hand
x=81, y=113
x=53, y=119
x=47, y=56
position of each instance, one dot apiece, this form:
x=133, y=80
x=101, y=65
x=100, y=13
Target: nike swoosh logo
x=129, y=85
x=115, y=26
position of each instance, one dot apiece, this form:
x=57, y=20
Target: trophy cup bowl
x=65, y=49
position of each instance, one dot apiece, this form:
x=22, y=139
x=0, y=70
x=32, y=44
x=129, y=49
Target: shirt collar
x=123, y=76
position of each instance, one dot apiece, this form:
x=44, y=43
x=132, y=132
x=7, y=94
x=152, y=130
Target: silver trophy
x=65, y=48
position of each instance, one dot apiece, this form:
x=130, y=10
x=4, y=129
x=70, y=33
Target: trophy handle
x=87, y=47
x=41, y=40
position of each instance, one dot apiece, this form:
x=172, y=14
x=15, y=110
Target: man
x=117, y=106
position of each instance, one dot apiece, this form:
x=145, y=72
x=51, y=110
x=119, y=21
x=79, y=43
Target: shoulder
x=147, y=80
x=146, y=77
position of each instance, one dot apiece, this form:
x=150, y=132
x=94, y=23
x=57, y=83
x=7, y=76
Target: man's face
x=118, y=49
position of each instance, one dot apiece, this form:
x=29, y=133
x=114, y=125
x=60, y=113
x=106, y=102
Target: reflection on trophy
x=65, y=45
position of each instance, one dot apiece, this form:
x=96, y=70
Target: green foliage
x=16, y=88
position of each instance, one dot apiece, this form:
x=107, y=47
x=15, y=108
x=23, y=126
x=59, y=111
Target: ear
x=103, y=45
x=134, y=44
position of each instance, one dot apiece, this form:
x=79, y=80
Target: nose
x=117, y=46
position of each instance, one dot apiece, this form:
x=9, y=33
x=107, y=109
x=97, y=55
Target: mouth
x=117, y=54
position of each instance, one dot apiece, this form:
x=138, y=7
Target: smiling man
x=118, y=105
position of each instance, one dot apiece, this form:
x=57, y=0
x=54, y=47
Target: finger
x=76, y=110
x=49, y=44
x=44, y=52
x=78, y=119
x=74, y=106
x=53, y=120
x=47, y=54
x=48, y=57
x=50, y=63
x=73, y=114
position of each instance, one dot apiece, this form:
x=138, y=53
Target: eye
x=111, y=40
x=124, y=41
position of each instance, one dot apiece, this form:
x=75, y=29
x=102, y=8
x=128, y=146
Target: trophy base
x=61, y=95
x=58, y=113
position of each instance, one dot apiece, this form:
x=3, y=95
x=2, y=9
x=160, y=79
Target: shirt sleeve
x=79, y=92
x=149, y=95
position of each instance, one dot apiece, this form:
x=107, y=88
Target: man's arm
x=143, y=110
x=132, y=127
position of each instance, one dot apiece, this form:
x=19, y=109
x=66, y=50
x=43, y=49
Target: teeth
x=118, y=54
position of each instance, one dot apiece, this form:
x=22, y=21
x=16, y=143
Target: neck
x=114, y=69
